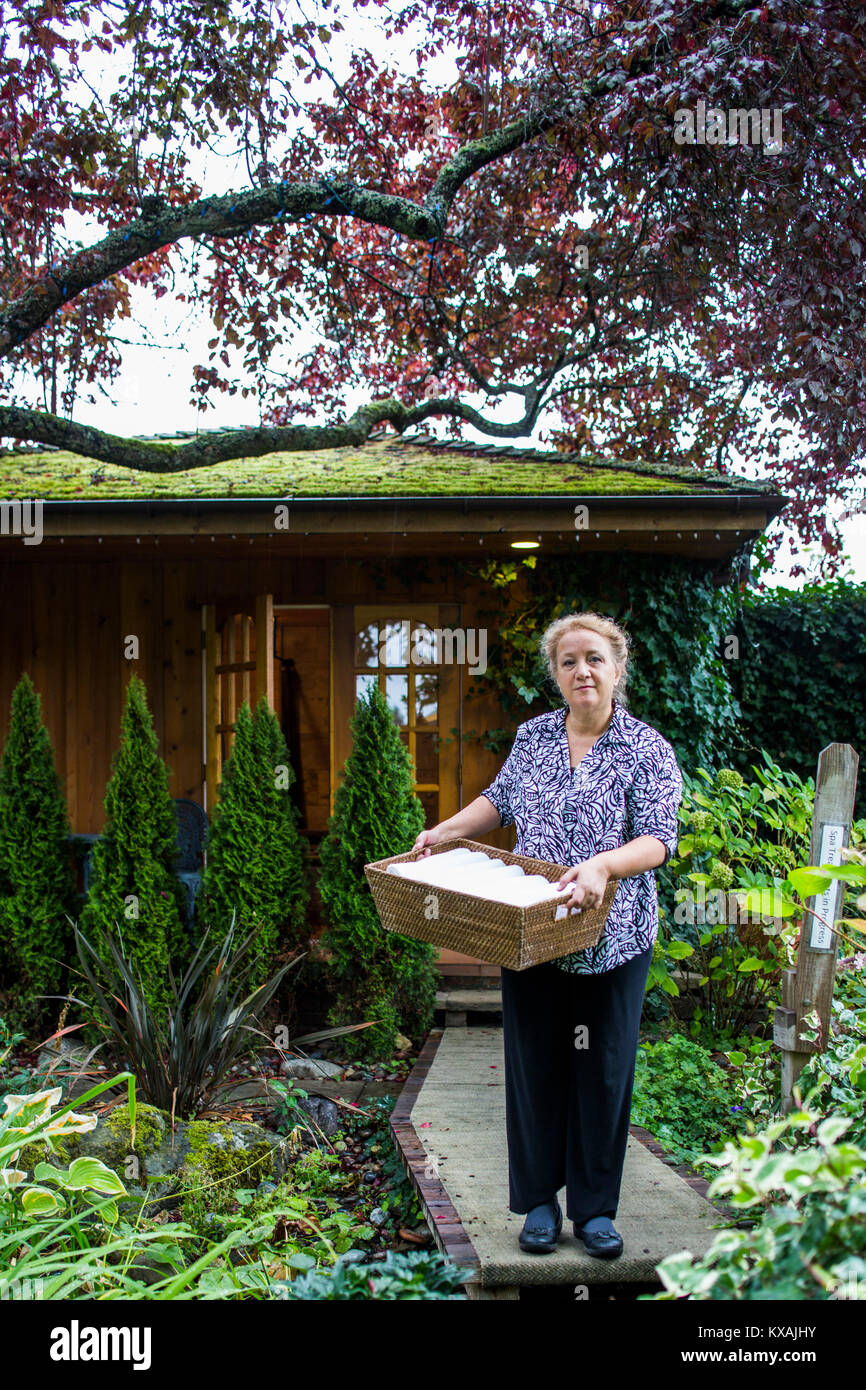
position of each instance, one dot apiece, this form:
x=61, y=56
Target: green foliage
x=755, y=1077
x=850, y=985
x=684, y=1098
x=255, y=854
x=377, y=975
x=319, y=1174
x=68, y=1241
x=27, y=1121
x=289, y=1221
x=289, y=1113
x=677, y=620
x=419, y=1274
x=134, y=885
x=801, y=1197
x=398, y=1200
x=810, y=1241
x=807, y=880
x=836, y=1077
x=739, y=842
x=712, y=700
x=250, y=1252
x=809, y=644
x=36, y=884
x=77, y=1257
x=180, y=1060
x=11, y=1082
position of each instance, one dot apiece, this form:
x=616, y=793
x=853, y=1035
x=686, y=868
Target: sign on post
x=809, y=986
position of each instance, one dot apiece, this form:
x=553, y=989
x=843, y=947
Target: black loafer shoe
x=541, y=1228
x=604, y=1243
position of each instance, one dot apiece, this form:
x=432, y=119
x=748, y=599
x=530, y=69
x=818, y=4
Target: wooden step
x=457, y=1003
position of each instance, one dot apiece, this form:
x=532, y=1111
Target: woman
x=592, y=787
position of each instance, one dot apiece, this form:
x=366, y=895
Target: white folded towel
x=452, y=856
x=446, y=872
x=479, y=875
x=523, y=892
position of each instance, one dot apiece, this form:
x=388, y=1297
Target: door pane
x=363, y=683
x=426, y=698
x=397, y=695
x=367, y=646
x=424, y=645
x=426, y=758
x=394, y=644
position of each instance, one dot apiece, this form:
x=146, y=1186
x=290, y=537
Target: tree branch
x=230, y=213
x=17, y=422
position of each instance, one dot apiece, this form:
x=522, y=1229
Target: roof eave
x=773, y=502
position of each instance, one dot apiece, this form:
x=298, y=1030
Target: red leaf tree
x=591, y=232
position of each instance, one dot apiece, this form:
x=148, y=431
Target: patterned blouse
x=628, y=784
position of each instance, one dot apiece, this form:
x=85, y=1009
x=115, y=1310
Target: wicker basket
x=498, y=933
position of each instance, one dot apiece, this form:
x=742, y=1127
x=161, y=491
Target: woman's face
x=586, y=671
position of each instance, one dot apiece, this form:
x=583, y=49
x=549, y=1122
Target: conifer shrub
x=134, y=887
x=36, y=875
x=256, y=860
x=376, y=974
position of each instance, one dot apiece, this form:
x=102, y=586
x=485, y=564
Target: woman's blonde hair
x=596, y=622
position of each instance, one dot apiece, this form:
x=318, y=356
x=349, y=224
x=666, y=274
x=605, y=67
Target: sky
x=164, y=338
x=152, y=395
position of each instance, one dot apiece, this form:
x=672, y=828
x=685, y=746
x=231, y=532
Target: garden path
x=449, y=1124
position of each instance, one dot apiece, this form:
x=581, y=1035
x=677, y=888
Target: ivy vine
x=679, y=621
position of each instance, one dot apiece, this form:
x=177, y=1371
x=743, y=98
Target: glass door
x=403, y=656
x=238, y=665
x=398, y=647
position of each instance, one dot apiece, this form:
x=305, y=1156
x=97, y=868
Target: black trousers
x=570, y=1049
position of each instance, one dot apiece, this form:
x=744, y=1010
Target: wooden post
x=211, y=709
x=810, y=985
x=265, y=648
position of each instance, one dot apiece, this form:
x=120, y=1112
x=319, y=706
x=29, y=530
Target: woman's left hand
x=590, y=880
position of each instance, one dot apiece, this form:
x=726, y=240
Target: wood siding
x=68, y=623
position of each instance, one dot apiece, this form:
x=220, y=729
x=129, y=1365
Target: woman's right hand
x=427, y=838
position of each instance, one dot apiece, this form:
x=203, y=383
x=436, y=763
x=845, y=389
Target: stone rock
x=213, y=1155
x=310, y=1069
x=351, y=1257
x=322, y=1112
x=377, y=1217
x=156, y=1156
x=402, y=1045
x=148, y=1270
x=223, y=1156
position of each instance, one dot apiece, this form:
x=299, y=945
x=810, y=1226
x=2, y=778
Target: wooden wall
x=303, y=636
x=67, y=618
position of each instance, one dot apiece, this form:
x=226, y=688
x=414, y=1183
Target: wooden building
x=304, y=577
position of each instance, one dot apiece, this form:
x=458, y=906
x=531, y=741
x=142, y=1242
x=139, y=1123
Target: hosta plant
x=28, y=1119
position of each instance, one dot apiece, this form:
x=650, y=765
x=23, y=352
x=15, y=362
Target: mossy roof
x=384, y=467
